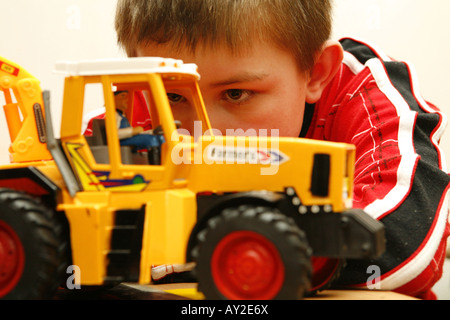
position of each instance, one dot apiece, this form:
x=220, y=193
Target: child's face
x=261, y=89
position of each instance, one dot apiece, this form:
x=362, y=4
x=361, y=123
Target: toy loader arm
x=26, y=117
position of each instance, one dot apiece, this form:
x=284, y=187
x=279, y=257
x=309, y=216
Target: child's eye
x=175, y=98
x=237, y=95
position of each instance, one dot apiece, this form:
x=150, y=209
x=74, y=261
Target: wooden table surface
x=187, y=291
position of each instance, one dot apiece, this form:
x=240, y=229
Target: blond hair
x=300, y=26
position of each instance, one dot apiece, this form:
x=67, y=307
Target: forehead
x=219, y=67
x=202, y=49
x=255, y=55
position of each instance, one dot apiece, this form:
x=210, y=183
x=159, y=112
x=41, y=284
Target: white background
x=35, y=34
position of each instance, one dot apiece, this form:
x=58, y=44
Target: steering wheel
x=159, y=131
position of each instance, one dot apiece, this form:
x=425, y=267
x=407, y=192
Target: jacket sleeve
x=400, y=174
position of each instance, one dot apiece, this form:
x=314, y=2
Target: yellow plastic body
x=168, y=192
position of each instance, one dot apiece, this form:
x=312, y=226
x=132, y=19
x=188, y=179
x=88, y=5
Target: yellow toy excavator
x=269, y=207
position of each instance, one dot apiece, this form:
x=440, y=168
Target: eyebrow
x=239, y=78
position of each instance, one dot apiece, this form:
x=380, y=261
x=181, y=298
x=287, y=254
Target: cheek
x=292, y=128
x=187, y=117
x=288, y=121
x=284, y=112
x=288, y=116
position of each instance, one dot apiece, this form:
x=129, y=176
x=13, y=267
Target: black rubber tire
x=45, y=245
x=276, y=229
x=327, y=276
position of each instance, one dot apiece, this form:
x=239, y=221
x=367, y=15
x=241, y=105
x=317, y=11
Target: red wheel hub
x=323, y=271
x=12, y=259
x=246, y=265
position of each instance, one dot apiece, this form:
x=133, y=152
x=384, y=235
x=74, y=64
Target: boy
x=269, y=64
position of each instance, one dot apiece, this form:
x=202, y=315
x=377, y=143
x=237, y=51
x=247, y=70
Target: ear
x=326, y=66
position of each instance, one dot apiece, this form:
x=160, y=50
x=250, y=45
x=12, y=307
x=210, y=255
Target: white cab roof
x=125, y=66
